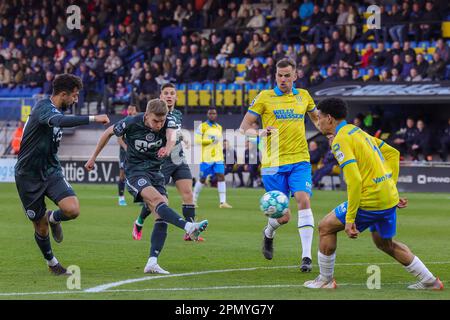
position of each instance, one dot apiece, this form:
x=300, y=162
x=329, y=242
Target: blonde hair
x=158, y=107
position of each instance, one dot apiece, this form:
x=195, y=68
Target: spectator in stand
x=371, y=77
x=326, y=56
x=229, y=73
x=316, y=79
x=215, y=72
x=398, y=30
x=215, y=45
x=343, y=75
x=278, y=53
x=395, y=75
x=445, y=141
x=414, y=76
x=245, y=6
x=243, y=20
x=385, y=76
x=316, y=30
x=407, y=50
x=258, y=21
x=331, y=75
x=415, y=18
x=232, y=22
x=313, y=54
x=352, y=21
x=204, y=69
x=112, y=63
x=430, y=14
x=380, y=56
x=306, y=10
x=315, y=153
x=443, y=51
x=136, y=73
x=239, y=47
x=329, y=161
x=396, y=63
x=422, y=143
x=5, y=76
x=302, y=81
x=148, y=88
x=421, y=65
x=366, y=58
x=16, y=75
x=253, y=46
x=436, y=70
x=257, y=72
x=227, y=49
x=404, y=138
x=408, y=64
x=220, y=19
x=266, y=46
x=356, y=75
x=358, y=121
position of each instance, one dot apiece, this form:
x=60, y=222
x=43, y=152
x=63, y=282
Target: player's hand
x=402, y=203
x=187, y=144
x=102, y=118
x=351, y=231
x=90, y=164
x=330, y=138
x=267, y=131
x=163, y=152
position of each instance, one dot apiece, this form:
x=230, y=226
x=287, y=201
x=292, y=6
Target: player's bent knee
x=72, y=212
x=285, y=218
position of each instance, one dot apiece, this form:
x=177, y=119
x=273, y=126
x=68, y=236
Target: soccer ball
x=274, y=204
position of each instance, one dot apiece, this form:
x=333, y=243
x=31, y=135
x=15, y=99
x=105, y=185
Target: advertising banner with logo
x=74, y=171
x=424, y=179
x=388, y=93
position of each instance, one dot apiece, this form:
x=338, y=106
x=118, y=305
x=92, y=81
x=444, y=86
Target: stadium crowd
x=138, y=45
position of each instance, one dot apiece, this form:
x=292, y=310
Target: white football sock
x=326, y=265
x=419, y=270
x=197, y=188
x=272, y=225
x=52, y=262
x=152, y=260
x=306, y=230
x=121, y=198
x=51, y=219
x=222, y=188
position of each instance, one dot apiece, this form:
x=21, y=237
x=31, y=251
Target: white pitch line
x=104, y=288
x=268, y=286
x=107, y=286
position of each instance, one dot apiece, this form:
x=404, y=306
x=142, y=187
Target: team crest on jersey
x=31, y=214
x=142, y=182
x=150, y=137
x=298, y=98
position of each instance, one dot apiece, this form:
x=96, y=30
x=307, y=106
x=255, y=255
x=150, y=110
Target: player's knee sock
x=326, y=265
x=272, y=225
x=189, y=212
x=57, y=216
x=121, y=187
x=45, y=246
x=419, y=270
x=167, y=214
x=145, y=212
x=222, y=188
x=158, y=237
x=197, y=188
x=306, y=230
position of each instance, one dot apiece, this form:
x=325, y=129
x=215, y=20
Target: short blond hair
x=158, y=107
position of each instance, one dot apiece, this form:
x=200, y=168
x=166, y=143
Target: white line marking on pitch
x=120, y=283
x=104, y=288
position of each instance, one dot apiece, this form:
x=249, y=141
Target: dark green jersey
x=177, y=155
x=37, y=156
x=143, y=143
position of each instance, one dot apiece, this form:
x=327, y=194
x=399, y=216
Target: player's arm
x=246, y=125
x=201, y=138
x=255, y=110
x=171, y=137
x=122, y=143
x=344, y=155
x=314, y=116
x=65, y=121
x=391, y=156
x=104, y=139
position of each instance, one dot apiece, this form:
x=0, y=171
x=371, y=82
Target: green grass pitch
x=228, y=265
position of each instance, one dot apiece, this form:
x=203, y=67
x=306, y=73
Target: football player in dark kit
x=174, y=167
x=38, y=173
x=150, y=137
x=132, y=110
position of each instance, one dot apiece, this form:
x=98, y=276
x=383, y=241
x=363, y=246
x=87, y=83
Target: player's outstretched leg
x=121, y=189
x=69, y=209
x=269, y=234
x=328, y=229
x=139, y=223
x=184, y=187
x=411, y=263
x=197, y=189
x=41, y=236
x=305, y=226
x=157, y=240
